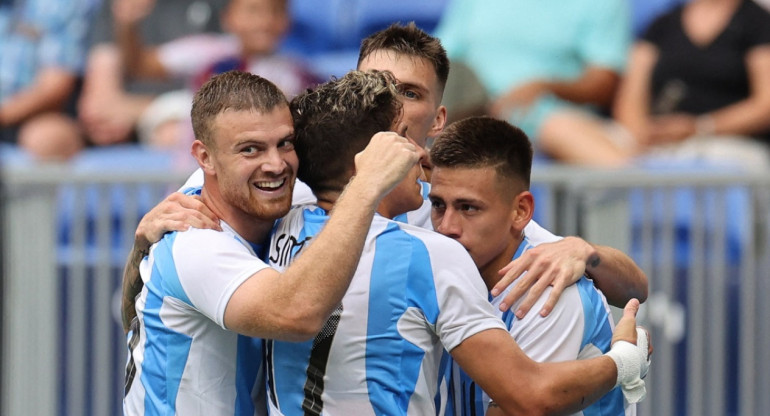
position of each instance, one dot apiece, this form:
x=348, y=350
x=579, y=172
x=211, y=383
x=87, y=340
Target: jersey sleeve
x=462, y=296
x=556, y=337
x=210, y=266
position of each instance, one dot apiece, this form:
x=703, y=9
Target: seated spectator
x=549, y=70
x=42, y=54
x=698, y=86
x=254, y=29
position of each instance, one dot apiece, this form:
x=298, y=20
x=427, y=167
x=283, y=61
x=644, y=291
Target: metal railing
x=702, y=238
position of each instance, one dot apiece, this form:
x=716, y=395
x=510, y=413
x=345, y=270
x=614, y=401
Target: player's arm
x=178, y=212
x=553, y=388
x=294, y=305
x=562, y=263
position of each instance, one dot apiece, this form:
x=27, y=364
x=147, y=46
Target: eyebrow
x=289, y=136
x=401, y=85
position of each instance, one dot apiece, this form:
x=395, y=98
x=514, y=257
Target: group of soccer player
x=246, y=294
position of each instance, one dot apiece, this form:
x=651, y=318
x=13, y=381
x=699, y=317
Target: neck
x=489, y=272
x=327, y=199
x=252, y=229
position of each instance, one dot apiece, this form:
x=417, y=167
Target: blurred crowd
x=607, y=83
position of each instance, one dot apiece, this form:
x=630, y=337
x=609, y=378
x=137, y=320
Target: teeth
x=271, y=184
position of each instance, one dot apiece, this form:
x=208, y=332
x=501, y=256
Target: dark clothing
x=697, y=79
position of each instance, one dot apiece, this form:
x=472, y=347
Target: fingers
x=631, y=309
x=625, y=330
x=178, y=212
x=553, y=297
x=511, y=272
x=386, y=160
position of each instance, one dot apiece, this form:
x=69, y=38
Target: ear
x=523, y=209
x=201, y=153
x=438, y=122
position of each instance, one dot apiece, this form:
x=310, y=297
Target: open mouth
x=270, y=186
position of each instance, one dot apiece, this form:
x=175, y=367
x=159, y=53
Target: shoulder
x=755, y=19
x=537, y=235
x=667, y=21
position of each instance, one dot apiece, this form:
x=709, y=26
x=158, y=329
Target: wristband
x=632, y=364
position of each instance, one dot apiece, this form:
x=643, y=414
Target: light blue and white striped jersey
x=182, y=360
x=579, y=327
x=414, y=293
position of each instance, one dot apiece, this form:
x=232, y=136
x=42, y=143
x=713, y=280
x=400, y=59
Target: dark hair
x=478, y=142
x=234, y=90
x=336, y=120
x=411, y=41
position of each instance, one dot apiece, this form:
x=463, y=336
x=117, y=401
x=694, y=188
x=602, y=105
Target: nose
x=449, y=225
x=273, y=162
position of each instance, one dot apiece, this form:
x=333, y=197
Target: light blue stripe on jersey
x=164, y=350
x=164, y=262
x=386, y=292
x=445, y=373
x=294, y=356
x=598, y=332
x=597, y=329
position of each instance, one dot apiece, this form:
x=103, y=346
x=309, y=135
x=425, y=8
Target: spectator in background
x=549, y=70
x=111, y=102
x=42, y=54
x=254, y=30
x=698, y=86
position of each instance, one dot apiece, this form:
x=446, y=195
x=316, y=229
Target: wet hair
x=411, y=41
x=336, y=120
x=233, y=90
x=479, y=142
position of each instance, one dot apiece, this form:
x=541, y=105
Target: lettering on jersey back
x=285, y=248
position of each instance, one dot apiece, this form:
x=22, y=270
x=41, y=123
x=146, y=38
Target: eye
x=437, y=204
x=468, y=208
x=412, y=95
x=286, y=145
x=249, y=150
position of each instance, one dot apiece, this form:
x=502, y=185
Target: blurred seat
x=329, y=34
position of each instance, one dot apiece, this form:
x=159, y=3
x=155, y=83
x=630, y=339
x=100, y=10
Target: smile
x=270, y=185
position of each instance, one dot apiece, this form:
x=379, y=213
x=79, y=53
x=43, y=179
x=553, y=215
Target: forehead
x=479, y=184
x=251, y=124
x=407, y=69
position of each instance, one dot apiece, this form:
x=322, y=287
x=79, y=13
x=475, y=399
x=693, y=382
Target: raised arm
x=562, y=263
x=554, y=388
x=294, y=305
